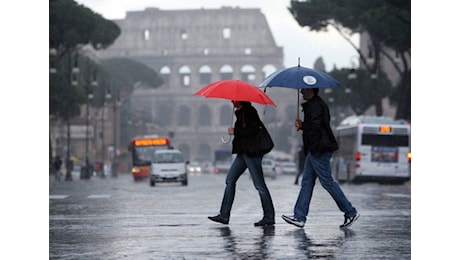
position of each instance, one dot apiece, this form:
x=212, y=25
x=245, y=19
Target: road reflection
x=300, y=244
x=260, y=248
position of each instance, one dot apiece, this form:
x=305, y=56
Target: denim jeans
x=319, y=166
x=239, y=165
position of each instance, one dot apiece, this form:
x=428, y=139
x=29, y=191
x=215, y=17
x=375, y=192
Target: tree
x=72, y=26
x=386, y=21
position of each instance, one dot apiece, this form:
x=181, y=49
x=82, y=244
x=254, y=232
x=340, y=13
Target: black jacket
x=317, y=133
x=246, y=125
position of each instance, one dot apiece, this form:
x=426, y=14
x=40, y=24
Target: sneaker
x=294, y=221
x=219, y=219
x=264, y=222
x=349, y=221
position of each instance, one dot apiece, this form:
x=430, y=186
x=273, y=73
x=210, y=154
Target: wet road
x=117, y=218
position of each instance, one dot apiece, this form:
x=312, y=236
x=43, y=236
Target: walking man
x=319, y=144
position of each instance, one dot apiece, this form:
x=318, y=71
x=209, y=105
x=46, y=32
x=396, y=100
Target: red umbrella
x=235, y=90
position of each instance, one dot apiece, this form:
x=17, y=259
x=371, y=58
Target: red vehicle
x=142, y=148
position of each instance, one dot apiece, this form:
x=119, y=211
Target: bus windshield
x=142, y=155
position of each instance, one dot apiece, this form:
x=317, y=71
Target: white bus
x=372, y=149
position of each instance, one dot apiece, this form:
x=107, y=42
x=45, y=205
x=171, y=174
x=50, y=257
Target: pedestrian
x=57, y=168
x=319, y=144
x=247, y=122
x=301, y=163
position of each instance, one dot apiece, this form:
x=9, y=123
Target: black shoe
x=219, y=219
x=264, y=222
x=349, y=221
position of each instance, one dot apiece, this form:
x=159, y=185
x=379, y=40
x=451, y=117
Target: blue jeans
x=319, y=166
x=239, y=165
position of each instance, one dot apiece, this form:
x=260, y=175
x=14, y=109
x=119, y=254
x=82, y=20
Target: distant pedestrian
x=300, y=165
x=319, y=144
x=57, y=168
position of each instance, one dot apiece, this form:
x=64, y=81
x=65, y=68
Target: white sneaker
x=294, y=221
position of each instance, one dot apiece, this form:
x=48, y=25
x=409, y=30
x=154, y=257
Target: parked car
x=270, y=168
x=168, y=166
x=288, y=168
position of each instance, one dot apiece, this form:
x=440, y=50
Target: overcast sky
x=296, y=41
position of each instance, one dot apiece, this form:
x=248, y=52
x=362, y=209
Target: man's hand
x=298, y=124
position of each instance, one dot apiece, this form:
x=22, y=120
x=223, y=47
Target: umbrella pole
x=298, y=103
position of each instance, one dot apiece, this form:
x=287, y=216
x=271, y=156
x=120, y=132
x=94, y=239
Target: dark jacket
x=317, y=133
x=247, y=122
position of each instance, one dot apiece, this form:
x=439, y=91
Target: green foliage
x=388, y=23
x=72, y=24
x=125, y=72
x=64, y=99
x=359, y=93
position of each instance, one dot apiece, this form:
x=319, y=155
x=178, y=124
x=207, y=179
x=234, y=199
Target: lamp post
x=87, y=164
x=72, y=73
x=116, y=104
x=107, y=97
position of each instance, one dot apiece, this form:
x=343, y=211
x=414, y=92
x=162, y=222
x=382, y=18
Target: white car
x=168, y=166
x=288, y=168
x=270, y=168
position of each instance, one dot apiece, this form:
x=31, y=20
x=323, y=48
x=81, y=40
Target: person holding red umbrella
x=245, y=128
x=319, y=144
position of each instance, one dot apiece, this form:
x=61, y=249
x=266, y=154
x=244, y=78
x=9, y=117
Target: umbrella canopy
x=235, y=90
x=299, y=77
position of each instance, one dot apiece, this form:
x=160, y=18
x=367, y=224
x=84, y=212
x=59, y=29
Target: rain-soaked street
x=117, y=218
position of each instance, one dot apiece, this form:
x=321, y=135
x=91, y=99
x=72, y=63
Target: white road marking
x=99, y=196
x=397, y=195
x=58, y=197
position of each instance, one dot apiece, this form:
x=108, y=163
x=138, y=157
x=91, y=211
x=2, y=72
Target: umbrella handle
x=226, y=141
x=222, y=139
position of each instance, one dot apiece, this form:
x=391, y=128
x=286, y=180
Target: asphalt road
x=117, y=218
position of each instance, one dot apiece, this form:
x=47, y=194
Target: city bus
x=372, y=149
x=142, y=148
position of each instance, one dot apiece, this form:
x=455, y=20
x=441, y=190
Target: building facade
x=190, y=49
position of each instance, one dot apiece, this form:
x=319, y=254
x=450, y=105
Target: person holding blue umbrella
x=319, y=144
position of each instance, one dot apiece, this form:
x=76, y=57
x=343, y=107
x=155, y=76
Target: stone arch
x=226, y=115
x=165, y=73
x=248, y=73
x=205, y=74
x=267, y=70
x=184, y=116
x=205, y=114
x=226, y=72
x=185, y=76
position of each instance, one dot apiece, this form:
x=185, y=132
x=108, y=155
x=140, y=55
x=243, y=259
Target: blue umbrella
x=299, y=77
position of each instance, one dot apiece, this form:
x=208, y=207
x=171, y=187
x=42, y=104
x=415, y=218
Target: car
x=222, y=166
x=288, y=168
x=168, y=165
x=270, y=168
x=194, y=168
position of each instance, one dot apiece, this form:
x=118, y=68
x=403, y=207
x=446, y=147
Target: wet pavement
x=117, y=218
